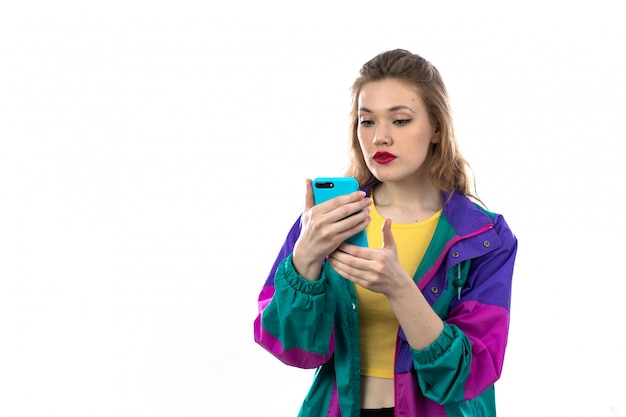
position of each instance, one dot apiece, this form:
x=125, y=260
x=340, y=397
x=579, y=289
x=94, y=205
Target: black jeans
x=379, y=412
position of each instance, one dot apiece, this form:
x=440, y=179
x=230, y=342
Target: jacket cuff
x=298, y=282
x=436, y=349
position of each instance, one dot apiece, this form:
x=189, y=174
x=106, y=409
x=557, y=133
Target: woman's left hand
x=378, y=270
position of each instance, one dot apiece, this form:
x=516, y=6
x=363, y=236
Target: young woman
x=416, y=323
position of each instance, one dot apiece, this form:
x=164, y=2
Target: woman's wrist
x=308, y=269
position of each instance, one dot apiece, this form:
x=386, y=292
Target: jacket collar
x=464, y=215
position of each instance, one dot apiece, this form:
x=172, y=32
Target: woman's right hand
x=325, y=226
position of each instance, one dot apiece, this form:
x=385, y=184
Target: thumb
x=388, y=240
x=309, y=200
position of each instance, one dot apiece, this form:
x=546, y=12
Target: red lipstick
x=383, y=157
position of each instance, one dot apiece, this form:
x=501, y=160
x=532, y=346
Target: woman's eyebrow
x=401, y=107
x=391, y=109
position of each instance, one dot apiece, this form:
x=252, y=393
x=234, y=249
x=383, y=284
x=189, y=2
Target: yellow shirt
x=378, y=325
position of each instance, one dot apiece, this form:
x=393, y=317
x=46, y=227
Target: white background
x=153, y=156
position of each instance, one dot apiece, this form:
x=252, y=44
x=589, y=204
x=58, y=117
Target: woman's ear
x=436, y=137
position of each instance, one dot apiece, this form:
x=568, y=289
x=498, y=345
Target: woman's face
x=394, y=131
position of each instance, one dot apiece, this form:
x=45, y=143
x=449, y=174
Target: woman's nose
x=381, y=136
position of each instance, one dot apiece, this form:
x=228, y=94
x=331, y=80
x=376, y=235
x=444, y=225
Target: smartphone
x=325, y=188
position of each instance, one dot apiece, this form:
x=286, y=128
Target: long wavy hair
x=449, y=171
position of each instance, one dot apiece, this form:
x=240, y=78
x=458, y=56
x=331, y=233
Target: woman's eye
x=401, y=122
x=366, y=122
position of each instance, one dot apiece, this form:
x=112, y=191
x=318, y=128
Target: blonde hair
x=449, y=171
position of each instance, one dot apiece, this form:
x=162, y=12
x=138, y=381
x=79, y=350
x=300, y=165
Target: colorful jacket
x=465, y=275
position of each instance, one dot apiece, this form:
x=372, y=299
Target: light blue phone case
x=325, y=188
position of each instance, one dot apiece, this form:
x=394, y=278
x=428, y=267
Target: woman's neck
x=407, y=202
